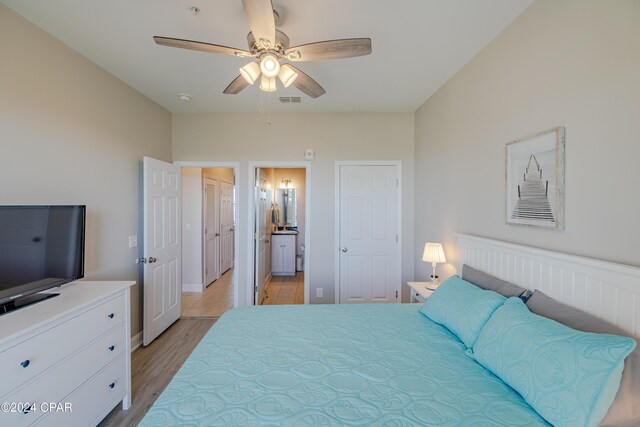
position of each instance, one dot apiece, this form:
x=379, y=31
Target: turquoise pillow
x=462, y=308
x=569, y=377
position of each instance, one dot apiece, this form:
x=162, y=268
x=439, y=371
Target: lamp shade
x=250, y=72
x=268, y=84
x=287, y=75
x=434, y=253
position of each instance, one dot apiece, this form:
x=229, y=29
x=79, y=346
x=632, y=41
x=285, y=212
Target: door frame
x=253, y=164
x=236, y=220
x=398, y=166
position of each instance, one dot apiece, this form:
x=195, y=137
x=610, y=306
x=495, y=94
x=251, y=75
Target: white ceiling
x=417, y=46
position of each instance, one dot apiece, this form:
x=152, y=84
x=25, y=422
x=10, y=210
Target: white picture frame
x=534, y=180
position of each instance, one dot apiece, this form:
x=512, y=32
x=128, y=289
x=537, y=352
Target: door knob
x=344, y=249
x=152, y=260
x=217, y=234
x=141, y=260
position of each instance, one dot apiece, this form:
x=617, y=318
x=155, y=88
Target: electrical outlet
x=133, y=241
x=319, y=292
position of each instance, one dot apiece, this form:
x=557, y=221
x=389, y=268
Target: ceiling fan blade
x=306, y=84
x=261, y=21
x=236, y=86
x=330, y=49
x=201, y=46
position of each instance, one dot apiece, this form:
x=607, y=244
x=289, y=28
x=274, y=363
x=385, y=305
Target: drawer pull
x=112, y=347
x=25, y=363
x=112, y=385
x=110, y=315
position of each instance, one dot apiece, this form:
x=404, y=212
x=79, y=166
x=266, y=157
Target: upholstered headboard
x=606, y=290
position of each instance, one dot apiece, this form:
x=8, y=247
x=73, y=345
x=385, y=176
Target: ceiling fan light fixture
x=287, y=75
x=250, y=72
x=269, y=65
x=268, y=84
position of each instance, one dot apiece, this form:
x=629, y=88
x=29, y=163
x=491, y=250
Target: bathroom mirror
x=286, y=201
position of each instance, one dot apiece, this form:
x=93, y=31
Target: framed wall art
x=535, y=180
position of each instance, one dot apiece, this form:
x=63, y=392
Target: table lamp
x=434, y=254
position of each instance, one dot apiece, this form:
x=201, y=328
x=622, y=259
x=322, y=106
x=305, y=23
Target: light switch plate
x=133, y=241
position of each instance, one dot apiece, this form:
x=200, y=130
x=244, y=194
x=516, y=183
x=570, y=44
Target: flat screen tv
x=41, y=247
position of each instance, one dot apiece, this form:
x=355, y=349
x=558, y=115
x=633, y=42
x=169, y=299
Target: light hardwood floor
x=154, y=366
x=216, y=299
x=285, y=290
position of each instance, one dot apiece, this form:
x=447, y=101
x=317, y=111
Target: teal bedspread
x=329, y=365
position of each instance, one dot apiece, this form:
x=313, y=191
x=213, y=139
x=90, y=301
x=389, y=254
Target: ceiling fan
x=269, y=47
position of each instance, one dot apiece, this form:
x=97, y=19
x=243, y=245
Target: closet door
x=369, y=264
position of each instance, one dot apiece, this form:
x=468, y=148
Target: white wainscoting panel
x=607, y=290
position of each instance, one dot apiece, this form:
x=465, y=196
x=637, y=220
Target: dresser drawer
x=24, y=361
x=63, y=379
x=93, y=400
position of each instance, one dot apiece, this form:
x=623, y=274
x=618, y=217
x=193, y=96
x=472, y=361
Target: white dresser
x=66, y=361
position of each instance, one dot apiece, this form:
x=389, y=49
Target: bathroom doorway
x=279, y=215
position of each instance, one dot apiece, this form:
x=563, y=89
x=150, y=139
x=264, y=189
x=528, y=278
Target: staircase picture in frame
x=534, y=175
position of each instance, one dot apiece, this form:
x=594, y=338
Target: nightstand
x=420, y=291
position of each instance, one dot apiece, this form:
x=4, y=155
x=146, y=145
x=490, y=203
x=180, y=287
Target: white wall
x=71, y=133
x=334, y=136
x=192, y=230
x=561, y=63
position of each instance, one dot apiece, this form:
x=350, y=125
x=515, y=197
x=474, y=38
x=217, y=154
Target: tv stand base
x=23, y=302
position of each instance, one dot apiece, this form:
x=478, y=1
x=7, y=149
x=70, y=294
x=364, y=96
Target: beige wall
x=334, y=136
x=561, y=63
x=72, y=133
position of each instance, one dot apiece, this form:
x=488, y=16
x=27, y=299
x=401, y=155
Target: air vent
x=290, y=99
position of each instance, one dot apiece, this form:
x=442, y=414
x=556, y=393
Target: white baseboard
x=136, y=341
x=192, y=287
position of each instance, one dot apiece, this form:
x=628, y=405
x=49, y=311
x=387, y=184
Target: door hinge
x=397, y=182
x=396, y=294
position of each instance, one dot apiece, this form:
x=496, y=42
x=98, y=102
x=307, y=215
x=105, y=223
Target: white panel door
x=368, y=234
x=162, y=287
x=261, y=239
x=226, y=226
x=211, y=231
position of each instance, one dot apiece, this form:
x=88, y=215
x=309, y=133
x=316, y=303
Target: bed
x=363, y=365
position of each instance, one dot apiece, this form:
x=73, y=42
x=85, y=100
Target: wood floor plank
x=216, y=299
x=153, y=367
